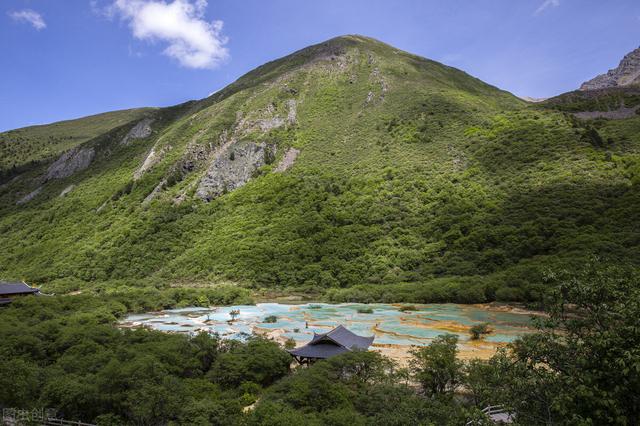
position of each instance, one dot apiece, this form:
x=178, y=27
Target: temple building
x=11, y=290
x=326, y=345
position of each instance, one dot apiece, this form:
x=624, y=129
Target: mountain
x=30, y=145
x=348, y=168
x=626, y=74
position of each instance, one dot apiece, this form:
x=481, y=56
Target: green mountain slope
x=34, y=144
x=349, y=167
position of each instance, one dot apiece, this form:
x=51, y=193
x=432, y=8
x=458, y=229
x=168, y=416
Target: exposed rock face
x=233, y=167
x=155, y=192
x=626, y=74
x=287, y=161
x=139, y=131
x=148, y=162
x=67, y=190
x=182, y=196
x=291, y=116
x=270, y=123
x=264, y=119
x=376, y=78
x=68, y=163
x=616, y=114
x=369, y=97
x=193, y=155
x=102, y=206
x=151, y=160
x=30, y=196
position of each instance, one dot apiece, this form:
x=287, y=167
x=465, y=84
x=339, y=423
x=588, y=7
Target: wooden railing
x=11, y=420
x=60, y=422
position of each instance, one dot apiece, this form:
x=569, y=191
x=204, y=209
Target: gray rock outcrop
x=626, y=74
x=67, y=190
x=233, y=167
x=291, y=116
x=617, y=114
x=264, y=120
x=267, y=124
x=376, y=79
x=70, y=162
x=159, y=187
x=139, y=131
x=30, y=196
x=151, y=158
x=287, y=160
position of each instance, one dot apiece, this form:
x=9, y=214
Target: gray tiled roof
x=334, y=342
x=345, y=338
x=321, y=350
x=15, y=287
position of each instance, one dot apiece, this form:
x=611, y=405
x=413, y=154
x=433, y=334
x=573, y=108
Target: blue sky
x=69, y=58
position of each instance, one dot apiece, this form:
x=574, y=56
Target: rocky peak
x=626, y=74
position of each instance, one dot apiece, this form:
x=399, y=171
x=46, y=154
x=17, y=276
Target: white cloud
x=545, y=5
x=194, y=42
x=29, y=16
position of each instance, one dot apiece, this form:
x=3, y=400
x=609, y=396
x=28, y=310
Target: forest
x=440, y=188
x=582, y=366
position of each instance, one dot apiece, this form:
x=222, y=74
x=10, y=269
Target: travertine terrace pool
x=395, y=330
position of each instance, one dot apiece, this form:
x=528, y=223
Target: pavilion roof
x=15, y=288
x=334, y=342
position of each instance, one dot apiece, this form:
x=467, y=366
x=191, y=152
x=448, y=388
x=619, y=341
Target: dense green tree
x=65, y=353
x=583, y=365
x=19, y=381
x=277, y=414
x=258, y=360
x=436, y=368
x=353, y=388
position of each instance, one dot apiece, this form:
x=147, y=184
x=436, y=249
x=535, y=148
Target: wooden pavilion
x=326, y=345
x=11, y=290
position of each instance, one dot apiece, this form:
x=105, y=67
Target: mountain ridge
x=627, y=73
x=349, y=167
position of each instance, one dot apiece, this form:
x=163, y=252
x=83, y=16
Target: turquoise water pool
x=389, y=324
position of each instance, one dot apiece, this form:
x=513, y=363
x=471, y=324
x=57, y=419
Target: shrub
x=407, y=308
x=270, y=319
x=259, y=360
x=478, y=330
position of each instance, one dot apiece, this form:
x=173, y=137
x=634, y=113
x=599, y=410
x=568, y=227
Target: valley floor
x=397, y=328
